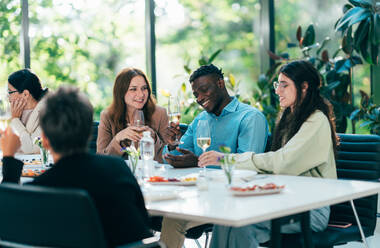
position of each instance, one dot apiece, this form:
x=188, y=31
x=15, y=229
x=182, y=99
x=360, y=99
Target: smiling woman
x=131, y=92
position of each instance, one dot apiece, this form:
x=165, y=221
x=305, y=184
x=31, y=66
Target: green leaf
x=375, y=54
x=232, y=79
x=214, y=55
x=352, y=16
x=187, y=69
x=183, y=88
x=361, y=33
x=346, y=7
x=355, y=115
x=361, y=3
x=332, y=85
x=202, y=61
x=309, y=37
x=376, y=29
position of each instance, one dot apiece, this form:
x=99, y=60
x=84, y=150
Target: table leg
x=275, y=239
x=306, y=230
x=359, y=224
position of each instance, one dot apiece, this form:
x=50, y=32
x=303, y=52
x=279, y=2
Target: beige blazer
x=28, y=132
x=107, y=144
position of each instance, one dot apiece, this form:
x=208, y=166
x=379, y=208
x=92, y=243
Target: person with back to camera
x=66, y=123
x=304, y=144
x=131, y=92
x=25, y=92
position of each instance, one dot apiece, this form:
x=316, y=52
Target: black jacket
x=108, y=181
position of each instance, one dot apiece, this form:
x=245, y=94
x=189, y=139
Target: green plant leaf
x=187, y=69
x=360, y=34
x=346, y=7
x=309, y=37
x=351, y=17
x=361, y=3
x=376, y=29
x=214, y=55
x=232, y=79
x=202, y=61
x=183, y=88
x=332, y=85
x=355, y=114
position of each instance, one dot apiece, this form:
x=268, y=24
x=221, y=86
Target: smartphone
x=339, y=224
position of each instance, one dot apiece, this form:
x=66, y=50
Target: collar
x=229, y=108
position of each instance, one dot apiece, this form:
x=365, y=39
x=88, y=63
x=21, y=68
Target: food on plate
x=157, y=179
x=32, y=172
x=268, y=186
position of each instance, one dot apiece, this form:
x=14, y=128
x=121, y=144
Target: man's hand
x=172, y=132
x=188, y=159
x=17, y=107
x=10, y=142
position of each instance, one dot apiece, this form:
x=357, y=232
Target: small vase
x=44, y=157
x=228, y=166
x=132, y=162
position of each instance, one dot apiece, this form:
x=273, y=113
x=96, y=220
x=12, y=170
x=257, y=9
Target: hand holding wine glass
x=203, y=136
x=174, y=113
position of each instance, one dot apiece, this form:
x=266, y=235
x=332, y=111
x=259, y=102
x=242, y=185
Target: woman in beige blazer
x=131, y=92
x=25, y=92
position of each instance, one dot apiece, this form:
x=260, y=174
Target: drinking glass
x=174, y=113
x=138, y=121
x=203, y=136
x=5, y=111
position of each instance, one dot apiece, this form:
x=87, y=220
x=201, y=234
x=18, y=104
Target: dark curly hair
x=206, y=70
x=289, y=122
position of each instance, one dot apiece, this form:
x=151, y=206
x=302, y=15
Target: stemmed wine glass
x=174, y=113
x=138, y=121
x=203, y=136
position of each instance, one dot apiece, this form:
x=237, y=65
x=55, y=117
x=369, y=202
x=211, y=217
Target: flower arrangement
x=43, y=152
x=133, y=155
x=227, y=162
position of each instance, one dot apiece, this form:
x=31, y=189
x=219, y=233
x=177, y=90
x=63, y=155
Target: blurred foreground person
x=66, y=123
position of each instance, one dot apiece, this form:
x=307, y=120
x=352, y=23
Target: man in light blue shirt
x=234, y=124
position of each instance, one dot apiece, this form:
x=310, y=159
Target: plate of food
x=268, y=188
x=183, y=181
x=32, y=172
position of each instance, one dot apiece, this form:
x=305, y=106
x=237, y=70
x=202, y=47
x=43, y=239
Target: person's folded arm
x=27, y=138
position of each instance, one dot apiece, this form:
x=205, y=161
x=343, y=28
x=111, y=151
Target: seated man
x=66, y=123
x=232, y=123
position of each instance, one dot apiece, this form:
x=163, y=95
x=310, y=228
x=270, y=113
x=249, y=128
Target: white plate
x=256, y=192
x=151, y=196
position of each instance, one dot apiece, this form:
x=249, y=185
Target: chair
x=94, y=137
x=358, y=158
x=33, y=216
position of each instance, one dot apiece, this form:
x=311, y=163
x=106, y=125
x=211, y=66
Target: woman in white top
x=25, y=92
x=304, y=144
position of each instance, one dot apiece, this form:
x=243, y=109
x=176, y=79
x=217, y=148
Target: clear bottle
x=147, y=153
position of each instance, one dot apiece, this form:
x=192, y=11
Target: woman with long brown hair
x=131, y=92
x=304, y=144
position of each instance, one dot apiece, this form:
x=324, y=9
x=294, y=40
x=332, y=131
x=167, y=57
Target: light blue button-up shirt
x=241, y=127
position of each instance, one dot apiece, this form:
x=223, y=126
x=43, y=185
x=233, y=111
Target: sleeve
x=26, y=138
x=160, y=140
x=12, y=169
x=253, y=133
x=106, y=143
x=307, y=149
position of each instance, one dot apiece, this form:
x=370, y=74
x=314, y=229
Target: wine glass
x=5, y=112
x=138, y=121
x=174, y=113
x=203, y=136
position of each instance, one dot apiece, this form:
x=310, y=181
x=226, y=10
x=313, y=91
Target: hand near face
x=10, y=142
x=132, y=133
x=171, y=132
x=17, y=107
x=210, y=158
x=188, y=159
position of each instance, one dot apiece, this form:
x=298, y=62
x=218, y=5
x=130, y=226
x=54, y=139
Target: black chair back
x=94, y=137
x=48, y=217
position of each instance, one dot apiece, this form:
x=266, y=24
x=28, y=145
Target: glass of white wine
x=174, y=113
x=203, y=136
x=5, y=112
x=138, y=121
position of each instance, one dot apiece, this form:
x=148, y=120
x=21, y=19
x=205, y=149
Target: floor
x=373, y=242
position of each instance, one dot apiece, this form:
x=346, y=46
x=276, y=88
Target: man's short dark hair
x=206, y=70
x=66, y=120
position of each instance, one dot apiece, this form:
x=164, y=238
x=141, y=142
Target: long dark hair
x=290, y=122
x=118, y=108
x=25, y=79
